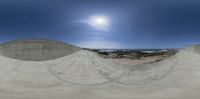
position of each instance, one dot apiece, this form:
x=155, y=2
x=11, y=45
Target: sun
x=99, y=22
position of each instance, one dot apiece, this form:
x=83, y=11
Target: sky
x=103, y=23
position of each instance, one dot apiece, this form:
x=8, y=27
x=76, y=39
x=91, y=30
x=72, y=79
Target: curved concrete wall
x=36, y=49
x=195, y=49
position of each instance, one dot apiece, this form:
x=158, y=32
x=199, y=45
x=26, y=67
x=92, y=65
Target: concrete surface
x=84, y=75
x=36, y=49
x=194, y=48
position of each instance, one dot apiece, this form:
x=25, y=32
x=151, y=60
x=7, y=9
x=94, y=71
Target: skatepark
x=49, y=69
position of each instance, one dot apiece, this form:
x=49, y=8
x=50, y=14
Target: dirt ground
x=144, y=60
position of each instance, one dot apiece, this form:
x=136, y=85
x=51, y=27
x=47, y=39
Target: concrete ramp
x=82, y=74
x=36, y=49
x=85, y=68
x=194, y=48
x=145, y=74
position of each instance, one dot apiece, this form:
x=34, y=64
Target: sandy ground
x=84, y=75
x=146, y=60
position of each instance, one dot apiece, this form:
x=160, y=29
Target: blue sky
x=132, y=23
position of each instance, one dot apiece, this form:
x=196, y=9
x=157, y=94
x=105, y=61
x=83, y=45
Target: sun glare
x=99, y=22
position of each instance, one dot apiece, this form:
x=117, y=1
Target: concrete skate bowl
x=36, y=49
x=74, y=69
x=85, y=68
x=194, y=48
x=146, y=74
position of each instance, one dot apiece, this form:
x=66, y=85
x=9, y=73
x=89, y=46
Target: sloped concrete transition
x=36, y=49
x=48, y=69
